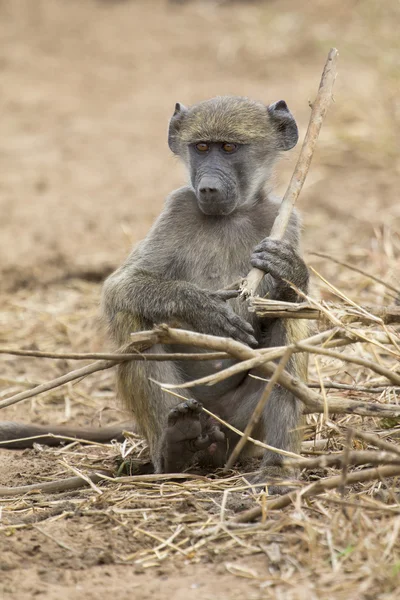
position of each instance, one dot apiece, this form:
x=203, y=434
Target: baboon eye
x=229, y=148
x=202, y=147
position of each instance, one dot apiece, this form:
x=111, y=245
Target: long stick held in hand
x=319, y=110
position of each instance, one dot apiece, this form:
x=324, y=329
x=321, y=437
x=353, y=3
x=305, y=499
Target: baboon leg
x=282, y=419
x=278, y=426
x=175, y=430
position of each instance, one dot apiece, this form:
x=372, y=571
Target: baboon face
x=229, y=145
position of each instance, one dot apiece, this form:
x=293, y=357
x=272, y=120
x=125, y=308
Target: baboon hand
x=215, y=317
x=281, y=260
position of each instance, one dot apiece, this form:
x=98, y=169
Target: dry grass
x=347, y=536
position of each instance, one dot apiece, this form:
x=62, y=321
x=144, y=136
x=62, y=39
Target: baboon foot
x=186, y=435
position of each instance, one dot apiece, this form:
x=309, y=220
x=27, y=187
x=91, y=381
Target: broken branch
x=318, y=112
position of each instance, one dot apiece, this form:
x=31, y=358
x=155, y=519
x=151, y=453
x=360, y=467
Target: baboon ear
x=175, y=125
x=285, y=125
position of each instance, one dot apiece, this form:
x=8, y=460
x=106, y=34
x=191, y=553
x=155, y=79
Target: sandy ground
x=87, y=91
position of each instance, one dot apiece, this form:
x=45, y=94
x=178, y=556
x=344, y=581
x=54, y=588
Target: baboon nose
x=208, y=191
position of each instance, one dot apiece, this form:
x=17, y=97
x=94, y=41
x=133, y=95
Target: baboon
x=209, y=234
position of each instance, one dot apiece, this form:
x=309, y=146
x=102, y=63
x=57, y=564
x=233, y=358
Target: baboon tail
x=17, y=436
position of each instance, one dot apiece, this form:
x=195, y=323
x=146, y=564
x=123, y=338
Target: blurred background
x=88, y=86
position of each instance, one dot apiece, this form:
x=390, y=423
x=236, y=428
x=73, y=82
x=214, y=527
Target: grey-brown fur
x=229, y=119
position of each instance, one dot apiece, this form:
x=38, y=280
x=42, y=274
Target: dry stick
x=83, y=476
x=261, y=356
x=150, y=337
x=255, y=417
x=71, y=376
x=116, y=356
x=345, y=466
x=313, y=401
x=272, y=309
x=44, y=438
x=319, y=109
x=270, y=354
x=309, y=446
x=329, y=385
x=75, y=483
x=341, y=336
x=337, y=461
x=319, y=487
x=371, y=505
x=370, y=438
x=93, y=368
x=261, y=359
x=362, y=362
x=150, y=477
x=51, y=487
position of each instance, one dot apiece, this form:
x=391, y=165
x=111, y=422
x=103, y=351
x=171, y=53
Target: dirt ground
x=87, y=90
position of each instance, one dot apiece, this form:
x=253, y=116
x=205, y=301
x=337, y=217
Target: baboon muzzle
x=212, y=197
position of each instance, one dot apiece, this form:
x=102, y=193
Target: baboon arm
x=150, y=298
x=10, y=431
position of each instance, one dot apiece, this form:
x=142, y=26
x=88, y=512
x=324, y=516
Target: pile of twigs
x=350, y=327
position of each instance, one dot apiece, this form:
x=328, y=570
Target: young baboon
x=208, y=235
